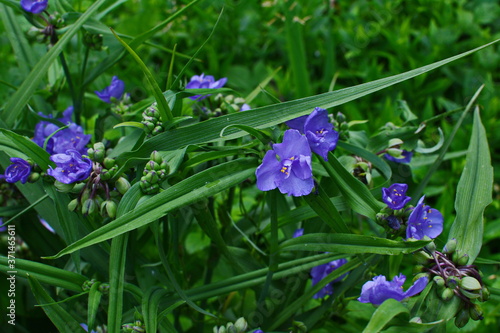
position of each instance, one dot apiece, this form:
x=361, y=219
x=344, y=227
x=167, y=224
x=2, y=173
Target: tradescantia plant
x=191, y=208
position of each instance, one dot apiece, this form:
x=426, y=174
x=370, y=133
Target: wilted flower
x=68, y=138
x=34, y=6
x=319, y=131
x=204, y=82
x=71, y=167
x=292, y=173
x=379, y=290
x=405, y=157
x=318, y=273
x=424, y=221
x=395, y=196
x=114, y=90
x=19, y=170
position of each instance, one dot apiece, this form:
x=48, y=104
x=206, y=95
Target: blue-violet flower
x=204, y=82
x=71, y=167
x=299, y=232
x=114, y=90
x=318, y=273
x=319, y=131
x=424, y=221
x=292, y=173
x=19, y=170
x=405, y=157
x=379, y=290
x=34, y=6
x=395, y=196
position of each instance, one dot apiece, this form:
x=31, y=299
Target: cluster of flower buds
x=453, y=277
x=155, y=171
x=103, y=287
x=341, y=125
x=223, y=105
x=240, y=326
x=55, y=21
x=93, y=41
x=136, y=327
x=152, y=121
x=97, y=195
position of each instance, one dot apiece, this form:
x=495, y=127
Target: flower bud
x=418, y=269
x=88, y=207
x=241, y=325
x=78, y=187
x=439, y=281
x=340, y=117
x=109, y=162
x=463, y=260
x=157, y=130
x=475, y=312
x=447, y=294
x=452, y=282
x=72, y=205
x=462, y=318
x=422, y=257
x=105, y=174
x=431, y=247
x=470, y=283
x=155, y=156
x=344, y=126
x=299, y=327
x=152, y=177
x=451, y=246
x=152, y=165
x=416, y=320
x=395, y=142
x=104, y=288
x=61, y=187
x=33, y=177
x=109, y=207
x=395, y=152
x=122, y=185
x=99, y=152
x=485, y=294
x=230, y=328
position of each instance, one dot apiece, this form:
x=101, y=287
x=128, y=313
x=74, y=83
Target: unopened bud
x=395, y=152
x=109, y=207
x=475, y=312
x=463, y=260
x=485, y=294
x=152, y=165
x=439, y=281
x=451, y=246
x=395, y=142
x=470, y=283
x=447, y=294
x=230, y=328
x=431, y=247
x=462, y=318
x=109, y=162
x=61, y=187
x=72, y=205
x=88, y=207
x=340, y=117
x=241, y=325
x=155, y=156
x=33, y=177
x=422, y=257
x=152, y=177
x=122, y=185
x=452, y=282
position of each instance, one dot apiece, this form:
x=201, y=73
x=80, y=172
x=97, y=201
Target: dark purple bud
x=19, y=170
x=34, y=6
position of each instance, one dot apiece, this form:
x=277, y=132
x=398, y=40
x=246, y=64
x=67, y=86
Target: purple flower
x=71, y=167
x=258, y=331
x=19, y=170
x=319, y=131
x=2, y=227
x=405, y=157
x=86, y=328
x=204, y=82
x=68, y=138
x=424, y=221
x=378, y=290
x=34, y=6
x=114, y=90
x=395, y=196
x=292, y=173
x=299, y=232
x=318, y=273
x=245, y=107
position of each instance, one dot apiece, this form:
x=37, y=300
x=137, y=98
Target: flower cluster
x=154, y=173
x=152, y=121
x=418, y=222
x=379, y=289
x=56, y=140
x=291, y=173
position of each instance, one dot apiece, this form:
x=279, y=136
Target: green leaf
x=93, y=306
x=350, y=243
x=150, y=306
x=192, y=189
x=357, y=195
x=384, y=314
x=163, y=108
x=59, y=317
x=474, y=193
x=264, y=117
x=21, y=97
x=117, y=259
x=325, y=209
x=25, y=146
x=53, y=276
x=130, y=124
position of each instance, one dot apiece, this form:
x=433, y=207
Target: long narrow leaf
x=474, y=193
